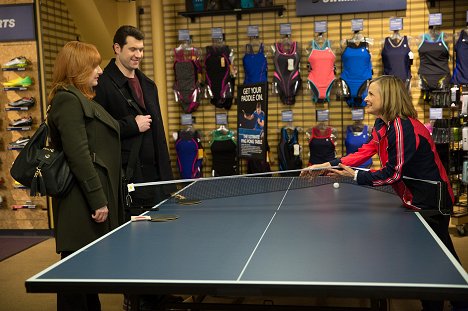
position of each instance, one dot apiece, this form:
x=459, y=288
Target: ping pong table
x=318, y=241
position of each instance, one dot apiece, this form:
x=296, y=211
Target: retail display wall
x=19, y=210
x=376, y=27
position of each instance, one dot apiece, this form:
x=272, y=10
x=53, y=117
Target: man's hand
x=100, y=215
x=143, y=122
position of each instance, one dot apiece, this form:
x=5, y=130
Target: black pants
x=77, y=301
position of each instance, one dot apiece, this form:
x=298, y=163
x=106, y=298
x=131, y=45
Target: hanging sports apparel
x=460, y=73
x=321, y=146
x=433, y=67
x=218, y=76
x=396, y=59
x=186, y=85
x=224, y=151
x=322, y=71
x=289, y=155
x=255, y=65
x=260, y=165
x=357, y=70
x=286, y=76
x=189, y=154
x=354, y=140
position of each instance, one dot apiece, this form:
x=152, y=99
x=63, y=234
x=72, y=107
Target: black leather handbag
x=41, y=168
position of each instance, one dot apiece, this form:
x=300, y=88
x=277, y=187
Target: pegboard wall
x=57, y=29
x=376, y=27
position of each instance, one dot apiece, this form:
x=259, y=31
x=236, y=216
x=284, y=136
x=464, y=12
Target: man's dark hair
x=123, y=32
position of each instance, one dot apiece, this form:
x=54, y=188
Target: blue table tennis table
x=310, y=242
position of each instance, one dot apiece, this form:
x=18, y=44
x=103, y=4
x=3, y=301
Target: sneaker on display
x=19, y=143
x=17, y=62
x=24, y=82
x=23, y=102
x=22, y=122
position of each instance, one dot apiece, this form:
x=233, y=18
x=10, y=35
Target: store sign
x=17, y=23
x=327, y=7
x=252, y=121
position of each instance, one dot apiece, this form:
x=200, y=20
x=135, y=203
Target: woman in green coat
x=89, y=137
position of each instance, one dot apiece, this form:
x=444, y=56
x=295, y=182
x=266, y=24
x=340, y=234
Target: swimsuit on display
x=218, y=75
x=433, y=68
x=460, y=73
x=354, y=140
x=396, y=59
x=255, y=65
x=322, y=71
x=286, y=76
x=188, y=146
x=224, y=152
x=288, y=159
x=357, y=70
x=186, y=85
x=322, y=146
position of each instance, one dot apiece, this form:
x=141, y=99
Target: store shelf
x=238, y=12
x=15, y=88
x=16, y=108
x=15, y=69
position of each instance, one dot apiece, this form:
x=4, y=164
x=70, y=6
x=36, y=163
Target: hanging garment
x=322, y=71
x=433, y=67
x=255, y=65
x=396, y=59
x=189, y=154
x=286, y=75
x=357, y=70
x=354, y=140
x=218, y=75
x=321, y=146
x=460, y=73
x=224, y=151
x=289, y=156
x=186, y=84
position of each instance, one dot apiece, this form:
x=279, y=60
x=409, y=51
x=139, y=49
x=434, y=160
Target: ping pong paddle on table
x=154, y=218
x=180, y=199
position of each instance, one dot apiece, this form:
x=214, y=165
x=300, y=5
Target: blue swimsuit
x=357, y=70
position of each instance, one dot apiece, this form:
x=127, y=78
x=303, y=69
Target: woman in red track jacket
x=405, y=148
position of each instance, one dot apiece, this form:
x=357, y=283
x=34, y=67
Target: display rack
x=238, y=12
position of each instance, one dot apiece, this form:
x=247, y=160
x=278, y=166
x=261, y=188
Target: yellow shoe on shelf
x=18, y=82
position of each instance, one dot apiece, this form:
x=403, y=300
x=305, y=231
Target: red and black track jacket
x=405, y=148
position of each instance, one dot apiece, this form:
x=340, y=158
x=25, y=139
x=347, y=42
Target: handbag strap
x=133, y=157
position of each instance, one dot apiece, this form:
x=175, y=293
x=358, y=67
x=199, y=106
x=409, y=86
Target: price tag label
x=221, y=119
x=435, y=19
x=216, y=33
x=184, y=35
x=323, y=115
x=357, y=24
x=287, y=116
x=396, y=24
x=285, y=29
x=252, y=31
x=321, y=26
x=357, y=114
x=435, y=113
x=186, y=119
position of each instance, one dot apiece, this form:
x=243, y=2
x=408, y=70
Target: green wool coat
x=89, y=137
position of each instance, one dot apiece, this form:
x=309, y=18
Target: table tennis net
x=243, y=185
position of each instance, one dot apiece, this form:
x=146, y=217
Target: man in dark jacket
x=132, y=99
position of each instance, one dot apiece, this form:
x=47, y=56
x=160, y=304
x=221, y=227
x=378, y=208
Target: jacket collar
x=118, y=77
x=91, y=111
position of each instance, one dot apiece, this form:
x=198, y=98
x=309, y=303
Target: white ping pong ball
x=336, y=185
